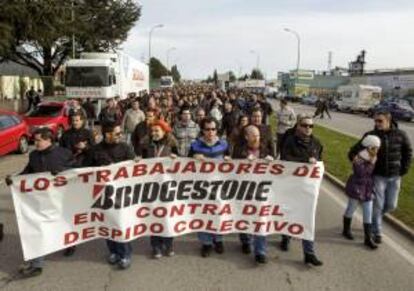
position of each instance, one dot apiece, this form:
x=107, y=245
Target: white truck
x=105, y=75
x=358, y=98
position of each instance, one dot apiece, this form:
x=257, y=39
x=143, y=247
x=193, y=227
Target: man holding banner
x=301, y=146
x=209, y=145
x=110, y=151
x=45, y=158
x=252, y=148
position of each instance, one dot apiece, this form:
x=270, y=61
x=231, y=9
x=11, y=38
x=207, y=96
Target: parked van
x=358, y=98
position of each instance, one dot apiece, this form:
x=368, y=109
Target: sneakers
x=311, y=259
x=113, y=259
x=219, y=247
x=69, y=251
x=206, y=250
x=156, y=254
x=246, y=249
x=261, y=259
x=124, y=263
x=28, y=271
x=169, y=252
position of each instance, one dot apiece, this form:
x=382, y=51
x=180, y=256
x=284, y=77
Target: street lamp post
x=73, y=34
x=149, y=41
x=296, y=34
x=257, y=58
x=168, y=56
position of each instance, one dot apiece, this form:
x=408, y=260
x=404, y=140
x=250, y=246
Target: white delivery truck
x=358, y=98
x=101, y=76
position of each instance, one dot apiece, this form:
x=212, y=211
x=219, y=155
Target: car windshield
x=45, y=111
x=87, y=76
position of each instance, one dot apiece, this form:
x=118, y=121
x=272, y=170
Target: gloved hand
x=269, y=158
x=173, y=156
x=227, y=158
x=137, y=159
x=8, y=180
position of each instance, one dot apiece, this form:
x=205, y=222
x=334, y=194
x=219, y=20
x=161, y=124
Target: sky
x=233, y=34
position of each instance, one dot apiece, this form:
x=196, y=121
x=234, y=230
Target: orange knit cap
x=164, y=125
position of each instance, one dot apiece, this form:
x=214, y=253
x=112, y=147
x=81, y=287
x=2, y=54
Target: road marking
x=394, y=245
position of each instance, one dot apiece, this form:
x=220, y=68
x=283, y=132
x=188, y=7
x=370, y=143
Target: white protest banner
x=165, y=197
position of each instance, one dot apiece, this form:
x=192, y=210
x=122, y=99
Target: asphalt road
x=347, y=265
x=352, y=124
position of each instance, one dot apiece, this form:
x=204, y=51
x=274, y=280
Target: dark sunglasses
x=210, y=129
x=306, y=125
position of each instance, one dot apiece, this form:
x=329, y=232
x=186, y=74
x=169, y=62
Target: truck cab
x=90, y=78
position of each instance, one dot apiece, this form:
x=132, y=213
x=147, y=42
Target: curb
x=393, y=221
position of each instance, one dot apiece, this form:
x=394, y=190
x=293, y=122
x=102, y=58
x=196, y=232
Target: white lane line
x=394, y=245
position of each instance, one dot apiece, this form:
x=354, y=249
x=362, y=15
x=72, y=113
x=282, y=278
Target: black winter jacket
x=53, y=159
x=296, y=149
x=71, y=137
x=395, y=154
x=104, y=154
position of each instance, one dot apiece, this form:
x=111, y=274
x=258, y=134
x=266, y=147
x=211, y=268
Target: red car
x=53, y=115
x=14, y=133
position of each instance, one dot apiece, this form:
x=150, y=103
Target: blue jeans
x=209, y=238
x=386, y=190
x=160, y=243
x=123, y=250
x=259, y=242
x=366, y=209
x=308, y=246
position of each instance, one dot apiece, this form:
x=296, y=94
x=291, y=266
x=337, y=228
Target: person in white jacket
x=132, y=117
x=286, y=119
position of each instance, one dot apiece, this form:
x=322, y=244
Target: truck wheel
x=23, y=145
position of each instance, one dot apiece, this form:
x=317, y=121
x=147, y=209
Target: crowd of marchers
x=204, y=122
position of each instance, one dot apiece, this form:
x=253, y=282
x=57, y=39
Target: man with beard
x=110, y=151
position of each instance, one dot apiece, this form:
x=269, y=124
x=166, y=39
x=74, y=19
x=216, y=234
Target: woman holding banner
x=160, y=143
x=209, y=145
